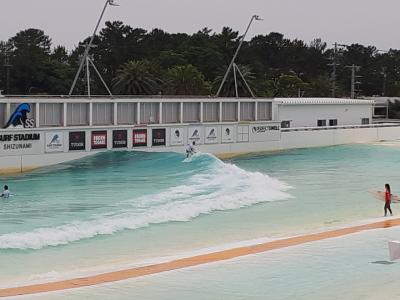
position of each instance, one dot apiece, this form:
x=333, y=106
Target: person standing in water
x=388, y=199
x=6, y=193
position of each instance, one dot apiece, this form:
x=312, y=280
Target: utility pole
x=334, y=65
x=354, y=69
x=384, y=74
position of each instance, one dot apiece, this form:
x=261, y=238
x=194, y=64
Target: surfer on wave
x=190, y=150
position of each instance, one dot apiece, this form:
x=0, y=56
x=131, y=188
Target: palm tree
x=186, y=80
x=228, y=90
x=136, y=78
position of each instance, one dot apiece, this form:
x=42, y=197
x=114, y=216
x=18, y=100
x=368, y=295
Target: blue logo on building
x=20, y=117
x=55, y=139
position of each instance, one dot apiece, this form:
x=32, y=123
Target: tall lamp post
x=86, y=58
x=233, y=64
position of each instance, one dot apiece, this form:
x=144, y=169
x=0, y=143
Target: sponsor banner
x=99, y=139
x=264, y=132
x=227, y=134
x=21, y=143
x=158, y=137
x=77, y=141
x=242, y=134
x=139, y=138
x=54, y=142
x=211, y=135
x=176, y=136
x=120, y=139
x=20, y=117
x=195, y=135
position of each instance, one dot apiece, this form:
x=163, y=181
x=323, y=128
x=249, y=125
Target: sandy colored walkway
x=191, y=261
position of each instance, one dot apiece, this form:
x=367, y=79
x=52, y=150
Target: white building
x=317, y=112
x=48, y=130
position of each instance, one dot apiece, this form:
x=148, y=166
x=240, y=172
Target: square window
x=333, y=122
x=365, y=121
x=285, y=124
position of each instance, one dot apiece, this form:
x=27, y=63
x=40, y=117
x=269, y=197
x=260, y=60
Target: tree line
x=134, y=61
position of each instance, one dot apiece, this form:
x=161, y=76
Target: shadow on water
x=383, y=262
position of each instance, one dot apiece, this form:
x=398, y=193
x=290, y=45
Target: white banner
x=227, y=134
x=195, y=135
x=264, y=132
x=176, y=137
x=21, y=143
x=211, y=135
x=54, y=142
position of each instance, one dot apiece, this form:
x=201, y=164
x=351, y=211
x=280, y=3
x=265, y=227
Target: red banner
x=99, y=139
x=139, y=138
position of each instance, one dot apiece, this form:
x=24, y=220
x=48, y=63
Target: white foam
x=222, y=187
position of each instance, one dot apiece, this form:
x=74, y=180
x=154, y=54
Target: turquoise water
x=116, y=210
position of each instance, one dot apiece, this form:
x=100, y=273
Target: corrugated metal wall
x=149, y=113
x=210, y=112
x=127, y=113
x=247, y=111
x=229, y=112
x=191, y=112
x=264, y=111
x=103, y=113
x=50, y=114
x=171, y=112
x=3, y=114
x=77, y=114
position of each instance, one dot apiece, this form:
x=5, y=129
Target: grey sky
x=69, y=21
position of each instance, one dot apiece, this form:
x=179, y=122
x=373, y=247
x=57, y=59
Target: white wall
x=306, y=115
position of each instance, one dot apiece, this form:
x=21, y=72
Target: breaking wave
x=217, y=187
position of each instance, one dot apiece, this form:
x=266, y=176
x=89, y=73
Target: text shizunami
x=17, y=146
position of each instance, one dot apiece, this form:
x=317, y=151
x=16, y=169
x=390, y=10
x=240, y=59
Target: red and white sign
x=139, y=138
x=99, y=139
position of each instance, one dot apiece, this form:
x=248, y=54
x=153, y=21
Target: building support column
x=256, y=111
x=37, y=115
x=90, y=114
x=138, y=114
x=238, y=111
x=65, y=116
x=201, y=111
x=160, y=119
x=115, y=113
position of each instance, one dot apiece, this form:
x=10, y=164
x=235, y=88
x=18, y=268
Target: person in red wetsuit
x=388, y=199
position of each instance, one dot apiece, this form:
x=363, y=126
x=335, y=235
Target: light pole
x=85, y=58
x=233, y=64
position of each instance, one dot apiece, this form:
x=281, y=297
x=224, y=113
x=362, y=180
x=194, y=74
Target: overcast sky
x=346, y=21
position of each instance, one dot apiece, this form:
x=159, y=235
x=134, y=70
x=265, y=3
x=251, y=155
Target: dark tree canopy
x=136, y=61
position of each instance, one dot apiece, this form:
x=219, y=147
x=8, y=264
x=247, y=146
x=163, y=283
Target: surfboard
x=380, y=195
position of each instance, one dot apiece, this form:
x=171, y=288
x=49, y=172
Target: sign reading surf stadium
x=22, y=143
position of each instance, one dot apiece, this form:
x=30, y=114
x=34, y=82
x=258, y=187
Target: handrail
x=339, y=127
